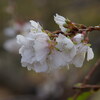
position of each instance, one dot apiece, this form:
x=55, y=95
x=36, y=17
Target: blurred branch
x=86, y=79
x=89, y=75
x=12, y=8
x=88, y=86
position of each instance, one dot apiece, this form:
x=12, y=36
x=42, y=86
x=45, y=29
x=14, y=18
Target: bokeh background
x=16, y=82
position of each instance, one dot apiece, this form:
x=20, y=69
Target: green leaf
x=70, y=98
x=83, y=96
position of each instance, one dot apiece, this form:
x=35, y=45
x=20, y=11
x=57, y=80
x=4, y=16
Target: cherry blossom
x=60, y=20
x=42, y=52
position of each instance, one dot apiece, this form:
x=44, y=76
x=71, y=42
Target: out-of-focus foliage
x=83, y=96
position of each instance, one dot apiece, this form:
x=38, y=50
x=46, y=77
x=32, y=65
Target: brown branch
x=86, y=79
x=74, y=31
x=57, y=32
x=89, y=75
x=87, y=86
x=90, y=29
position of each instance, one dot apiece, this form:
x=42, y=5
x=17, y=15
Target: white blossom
x=64, y=53
x=78, y=38
x=79, y=58
x=64, y=42
x=36, y=27
x=67, y=47
x=60, y=20
x=34, y=49
x=42, y=53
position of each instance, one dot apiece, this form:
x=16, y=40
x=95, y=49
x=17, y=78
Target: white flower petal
x=36, y=27
x=69, y=54
x=21, y=39
x=57, y=58
x=60, y=20
x=63, y=41
x=63, y=29
x=28, y=55
x=41, y=48
x=90, y=54
x=78, y=38
x=79, y=59
x=34, y=24
x=81, y=47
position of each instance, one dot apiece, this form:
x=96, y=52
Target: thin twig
x=87, y=86
x=90, y=29
x=89, y=75
x=57, y=32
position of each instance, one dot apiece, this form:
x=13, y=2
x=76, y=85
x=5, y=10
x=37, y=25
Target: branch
x=57, y=32
x=86, y=79
x=89, y=75
x=88, y=86
x=80, y=30
x=90, y=29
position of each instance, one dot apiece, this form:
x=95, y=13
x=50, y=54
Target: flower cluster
x=45, y=51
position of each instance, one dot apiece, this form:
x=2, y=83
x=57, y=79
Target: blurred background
x=16, y=82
